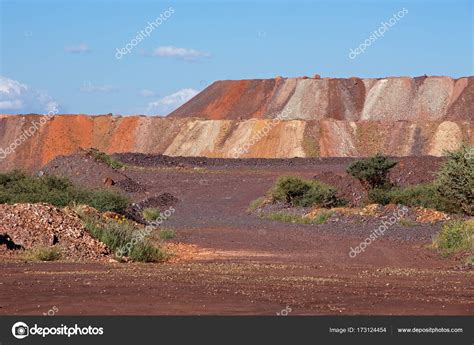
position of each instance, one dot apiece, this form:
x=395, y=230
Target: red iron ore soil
x=231, y=262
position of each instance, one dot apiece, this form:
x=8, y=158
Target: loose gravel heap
x=161, y=202
x=83, y=169
x=34, y=225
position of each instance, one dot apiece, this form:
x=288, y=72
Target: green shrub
x=167, y=234
x=288, y=217
x=151, y=214
x=379, y=196
x=105, y=158
x=420, y=195
x=423, y=195
x=290, y=189
x=322, y=195
x=11, y=177
x=117, y=234
x=455, y=236
x=255, y=204
x=456, y=180
x=105, y=200
x=43, y=253
x=114, y=234
x=322, y=217
x=373, y=171
x=17, y=187
x=145, y=252
x=298, y=192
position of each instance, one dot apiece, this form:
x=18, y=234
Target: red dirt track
x=233, y=262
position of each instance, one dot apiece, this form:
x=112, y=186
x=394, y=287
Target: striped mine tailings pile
x=271, y=118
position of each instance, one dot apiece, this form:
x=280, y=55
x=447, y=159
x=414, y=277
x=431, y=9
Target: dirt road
x=237, y=263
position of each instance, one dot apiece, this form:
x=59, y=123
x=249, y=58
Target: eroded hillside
x=63, y=135
x=352, y=99
x=273, y=118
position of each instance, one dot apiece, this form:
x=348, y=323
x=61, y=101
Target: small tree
x=303, y=193
x=456, y=180
x=289, y=189
x=373, y=171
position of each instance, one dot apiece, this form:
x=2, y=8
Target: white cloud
x=77, y=49
x=10, y=105
x=49, y=104
x=11, y=87
x=179, y=53
x=169, y=103
x=91, y=88
x=20, y=98
x=147, y=93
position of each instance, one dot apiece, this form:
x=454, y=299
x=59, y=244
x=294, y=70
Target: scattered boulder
x=108, y=182
x=427, y=215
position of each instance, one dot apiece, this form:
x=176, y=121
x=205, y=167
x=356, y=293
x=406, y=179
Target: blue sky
x=63, y=53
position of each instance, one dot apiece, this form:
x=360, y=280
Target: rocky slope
x=238, y=119
x=64, y=135
x=353, y=99
x=29, y=226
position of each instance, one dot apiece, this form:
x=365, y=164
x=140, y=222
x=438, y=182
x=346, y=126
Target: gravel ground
x=240, y=264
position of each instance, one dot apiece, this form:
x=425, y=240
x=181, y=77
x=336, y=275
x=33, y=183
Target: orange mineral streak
x=391, y=99
x=326, y=139
x=124, y=136
x=398, y=116
x=221, y=107
x=63, y=135
x=459, y=87
x=103, y=132
x=261, y=138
